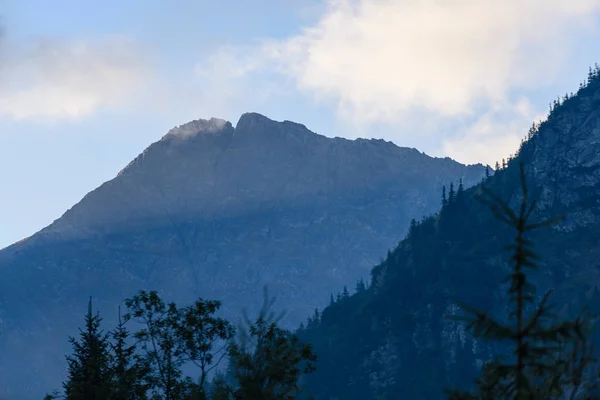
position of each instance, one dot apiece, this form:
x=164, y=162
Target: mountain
x=216, y=212
x=394, y=340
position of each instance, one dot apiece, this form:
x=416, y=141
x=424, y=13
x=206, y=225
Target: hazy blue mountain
x=394, y=341
x=217, y=212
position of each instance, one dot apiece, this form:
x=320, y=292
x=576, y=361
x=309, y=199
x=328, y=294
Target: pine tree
x=345, y=293
x=497, y=167
x=413, y=226
x=89, y=374
x=444, y=199
x=487, y=172
x=310, y=322
x=55, y=395
x=360, y=286
x=536, y=370
x=451, y=194
x=331, y=301
x=128, y=371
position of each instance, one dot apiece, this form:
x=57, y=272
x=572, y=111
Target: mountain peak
x=253, y=122
x=197, y=127
x=253, y=116
x=222, y=170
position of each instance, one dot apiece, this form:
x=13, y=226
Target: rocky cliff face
x=567, y=159
x=217, y=212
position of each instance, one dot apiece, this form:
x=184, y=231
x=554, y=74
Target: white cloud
x=392, y=61
x=225, y=83
x=56, y=78
x=377, y=59
x=494, y=135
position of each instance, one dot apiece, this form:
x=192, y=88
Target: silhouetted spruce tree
x=487, y=172
x=497, y=167
x=55, y=395
x=539, y=367
x=331, y=300
x=444, y=199
x=128, y=369
x=89, y=373
x=451, y=194
x=531, y=132
x=310, y=322
x=360, y=286
x=313, y=320
x=345, y=293
x=412, y=229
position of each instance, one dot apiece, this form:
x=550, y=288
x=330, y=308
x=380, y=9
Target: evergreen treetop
x=533, y=370
x=89, y=374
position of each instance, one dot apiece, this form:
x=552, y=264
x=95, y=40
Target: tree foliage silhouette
x=89, y=374
x=266, y=361
x=548, y=357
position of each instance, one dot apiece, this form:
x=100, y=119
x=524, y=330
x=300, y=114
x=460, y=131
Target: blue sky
x=85, y=86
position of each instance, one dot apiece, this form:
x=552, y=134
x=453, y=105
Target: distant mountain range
x=395, y=340
x=216, y=212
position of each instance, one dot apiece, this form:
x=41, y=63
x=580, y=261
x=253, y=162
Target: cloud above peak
x=58, y=78
x=461, y=73
x=377, y=59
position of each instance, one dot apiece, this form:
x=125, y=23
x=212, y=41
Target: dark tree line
x=264, y=361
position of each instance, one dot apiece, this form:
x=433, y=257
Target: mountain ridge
x=217, y=216
x=188, y=138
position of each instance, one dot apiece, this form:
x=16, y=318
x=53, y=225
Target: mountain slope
x=394, y=340
x=213, y=211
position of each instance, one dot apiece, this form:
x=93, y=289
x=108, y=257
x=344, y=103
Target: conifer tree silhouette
x=544, y=363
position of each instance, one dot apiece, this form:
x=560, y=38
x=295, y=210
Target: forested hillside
x=394, y=340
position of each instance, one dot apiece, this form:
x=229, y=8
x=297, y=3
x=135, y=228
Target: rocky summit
x=216, y=212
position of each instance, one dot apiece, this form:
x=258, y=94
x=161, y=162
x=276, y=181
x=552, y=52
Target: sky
x=85, y=86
